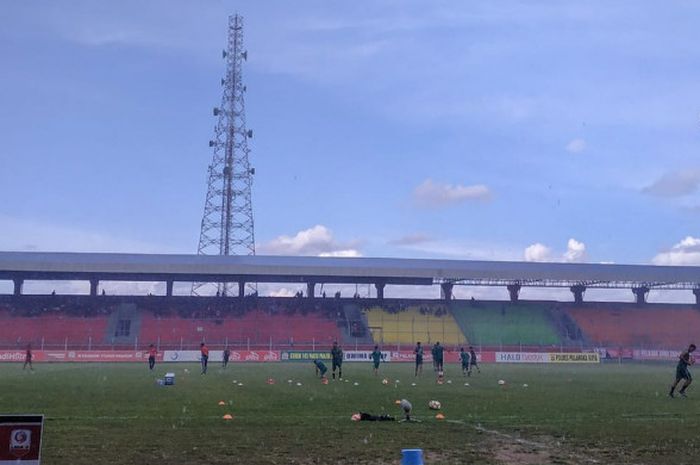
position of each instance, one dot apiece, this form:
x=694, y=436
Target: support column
x=94, y=282
x=241, y=289
x=578, y=290
x=447, y=290
x=514, y=291
x=696, y=293
x=640, y=294
x=169, y=287
x=19, y=283
x=310, y=289
x=380, y=290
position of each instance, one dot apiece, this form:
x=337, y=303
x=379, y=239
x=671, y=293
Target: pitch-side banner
x=235, y=356
x=20, y=439
x=666, y=355
x=77, y=356
x=547, y=357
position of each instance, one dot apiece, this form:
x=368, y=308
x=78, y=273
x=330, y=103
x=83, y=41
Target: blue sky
x=485, y=130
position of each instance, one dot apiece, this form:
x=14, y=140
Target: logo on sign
x=20, y=442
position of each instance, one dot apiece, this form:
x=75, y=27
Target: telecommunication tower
x=227, y=224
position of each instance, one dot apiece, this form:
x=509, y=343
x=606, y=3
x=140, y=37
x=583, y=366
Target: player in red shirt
x=152, y=352
x=205, y=357
x=28, y=358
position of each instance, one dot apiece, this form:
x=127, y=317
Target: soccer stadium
x=436, y=323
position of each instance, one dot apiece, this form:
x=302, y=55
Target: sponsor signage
x=20, y=439
x=522, y=357
x=547, y=357
x=363, y=356
x=218, y=355
x=643, y=354
x=305, y=355
x=77, y=355
x=573, y=357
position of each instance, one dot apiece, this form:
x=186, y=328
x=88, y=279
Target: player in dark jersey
x=464, y=358
x=377, y=357
x=152, y=352
x=472, y=361
x=419, y=358
x=438, y=356
x=227, y=355
x=204, y=351
x=320, y=368
x=28, y=358
x=337, y=360
x=682, y=372
x=432, y=352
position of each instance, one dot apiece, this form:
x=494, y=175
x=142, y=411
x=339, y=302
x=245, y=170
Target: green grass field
x=117, y=414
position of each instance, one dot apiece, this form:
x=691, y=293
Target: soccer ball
x=385, y=381
x=356, y=383
x=501, y=382
x=434, y=405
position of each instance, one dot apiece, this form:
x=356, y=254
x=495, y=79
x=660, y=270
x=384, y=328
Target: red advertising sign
x=78, y=356
x=20, y=439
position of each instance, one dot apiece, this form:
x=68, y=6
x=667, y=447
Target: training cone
x=228, y=416
x=324, y=380
x=397, y=402
x=221, y=402
x=439, y=416
x=270, y=381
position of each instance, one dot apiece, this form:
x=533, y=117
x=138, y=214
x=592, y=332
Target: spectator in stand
x=204, y=351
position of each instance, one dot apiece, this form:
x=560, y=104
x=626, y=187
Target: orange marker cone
x=228, y=416
x=439, y=416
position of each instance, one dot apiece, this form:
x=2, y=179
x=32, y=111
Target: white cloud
x=432, y=194
x=576, y=146
x=575, y=251
x=341, y=253
x=686, y=252
x=675, y=184
x=538, y=253
x=318, y=241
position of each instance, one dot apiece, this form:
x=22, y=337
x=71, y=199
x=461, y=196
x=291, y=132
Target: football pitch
x=560, y=414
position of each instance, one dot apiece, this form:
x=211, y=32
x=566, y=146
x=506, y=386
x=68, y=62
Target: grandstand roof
x=152, y=267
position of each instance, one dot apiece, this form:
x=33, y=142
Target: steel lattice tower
x=227, y=223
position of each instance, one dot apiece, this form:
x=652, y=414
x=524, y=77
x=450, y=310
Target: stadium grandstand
x=310, y=321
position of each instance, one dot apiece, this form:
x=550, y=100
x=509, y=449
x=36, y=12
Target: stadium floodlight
x=245, y=55
x=250, y=133
x=216, y=111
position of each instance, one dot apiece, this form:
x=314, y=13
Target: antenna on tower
x=227, y=223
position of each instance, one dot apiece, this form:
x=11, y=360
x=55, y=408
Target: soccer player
x=419, y=358
x=337, y=362
x=682, y=372
x=464, y=358
x=28, y=358
x=320, y=368
x=227, y=355
x=472, y=361
x=152, y=352
x=432, y=352
x=204, y=350
x=377, y=357
x=438, y=356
